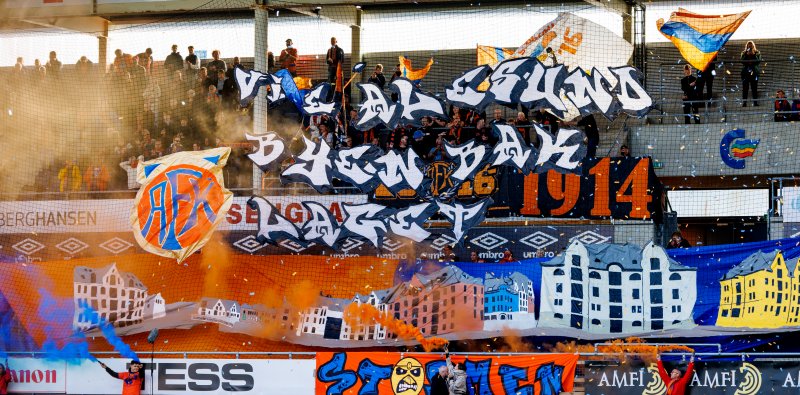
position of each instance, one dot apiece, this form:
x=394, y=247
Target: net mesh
x=73, y=130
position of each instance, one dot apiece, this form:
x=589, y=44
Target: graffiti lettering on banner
x=410, y=374
x=182, y=200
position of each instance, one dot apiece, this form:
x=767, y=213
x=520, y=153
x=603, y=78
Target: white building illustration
x=219, y=311
x=508, y=302
x=258, y=314
x=109, y=295
x=324, y=320
x=367, y=332
x=611, y=288
x=155, y=307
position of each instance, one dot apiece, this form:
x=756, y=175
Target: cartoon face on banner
x=407, y=377
x=182, y=200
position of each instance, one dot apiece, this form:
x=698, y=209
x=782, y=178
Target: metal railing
x=312, y=354
x=776, y=74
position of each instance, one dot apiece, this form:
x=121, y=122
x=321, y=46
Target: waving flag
x=576, y=42
x=414, y=75
x=182, y=200
x=699, y=37
x=491, y=56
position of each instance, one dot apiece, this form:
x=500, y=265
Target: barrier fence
x=313, y=373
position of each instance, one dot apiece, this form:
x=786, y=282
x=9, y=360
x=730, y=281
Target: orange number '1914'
x=567, y=189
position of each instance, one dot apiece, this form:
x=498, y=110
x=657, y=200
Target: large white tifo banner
x=170, y=376
x=113, y=215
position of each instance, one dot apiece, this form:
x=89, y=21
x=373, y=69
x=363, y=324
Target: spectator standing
x=705, y=80
x=174, y=60
x=397, y=74
x=782, y=107
x=84, y=67
x=146, y=59
x=675, y=382
x=53, y=65
x=288, y=57
x=96, y=177
x=5, y=378
x=122, y=60
x=216, y=63
x=688, y=86
x=625, y=151
x=192, y=65
x=526, y=130
x=589, y=125
x=377, y=76
x=677, y=241
x=751, y=69
x=334, y=58
x=236, y=63
x=498, y=118
x=69, y=178
x=507, y=257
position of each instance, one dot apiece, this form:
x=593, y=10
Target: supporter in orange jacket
x=676, y=384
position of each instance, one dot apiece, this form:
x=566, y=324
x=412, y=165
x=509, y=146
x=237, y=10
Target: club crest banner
x=182, y=200
x=411, y=374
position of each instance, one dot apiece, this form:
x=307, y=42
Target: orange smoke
x=360, y=315
x=630, y=345
x=216, y=259
x=302, y=295
x=514, y=343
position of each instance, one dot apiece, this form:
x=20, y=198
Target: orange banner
x=411, y=374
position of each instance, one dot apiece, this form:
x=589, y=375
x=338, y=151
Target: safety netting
x=472, y=205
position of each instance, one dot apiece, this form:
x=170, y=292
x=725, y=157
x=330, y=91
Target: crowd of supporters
x=139, y=108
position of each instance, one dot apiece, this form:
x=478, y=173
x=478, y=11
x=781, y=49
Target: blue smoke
x=57, y=315
x=119, y=345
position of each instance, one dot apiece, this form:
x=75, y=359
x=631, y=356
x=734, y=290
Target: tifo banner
x=181, y=202
x=411, y=374
x=169, y=376
x=635, y=377
x=589, y=291
x=112, y=215
x=576, y=42
x=543, y=238
x=624, y=188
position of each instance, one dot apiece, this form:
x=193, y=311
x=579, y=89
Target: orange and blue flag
x=414, y=75
x=699, y=37
x=182, y=200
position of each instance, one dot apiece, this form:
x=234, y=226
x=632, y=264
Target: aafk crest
x=181, y=201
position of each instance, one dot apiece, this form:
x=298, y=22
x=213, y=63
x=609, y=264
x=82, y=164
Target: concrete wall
x=693, y=150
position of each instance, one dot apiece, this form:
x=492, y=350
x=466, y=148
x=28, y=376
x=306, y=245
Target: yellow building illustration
x=760, y=292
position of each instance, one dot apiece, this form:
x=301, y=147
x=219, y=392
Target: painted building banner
x=411, y=374
x=588, y=291
x=707, y=378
